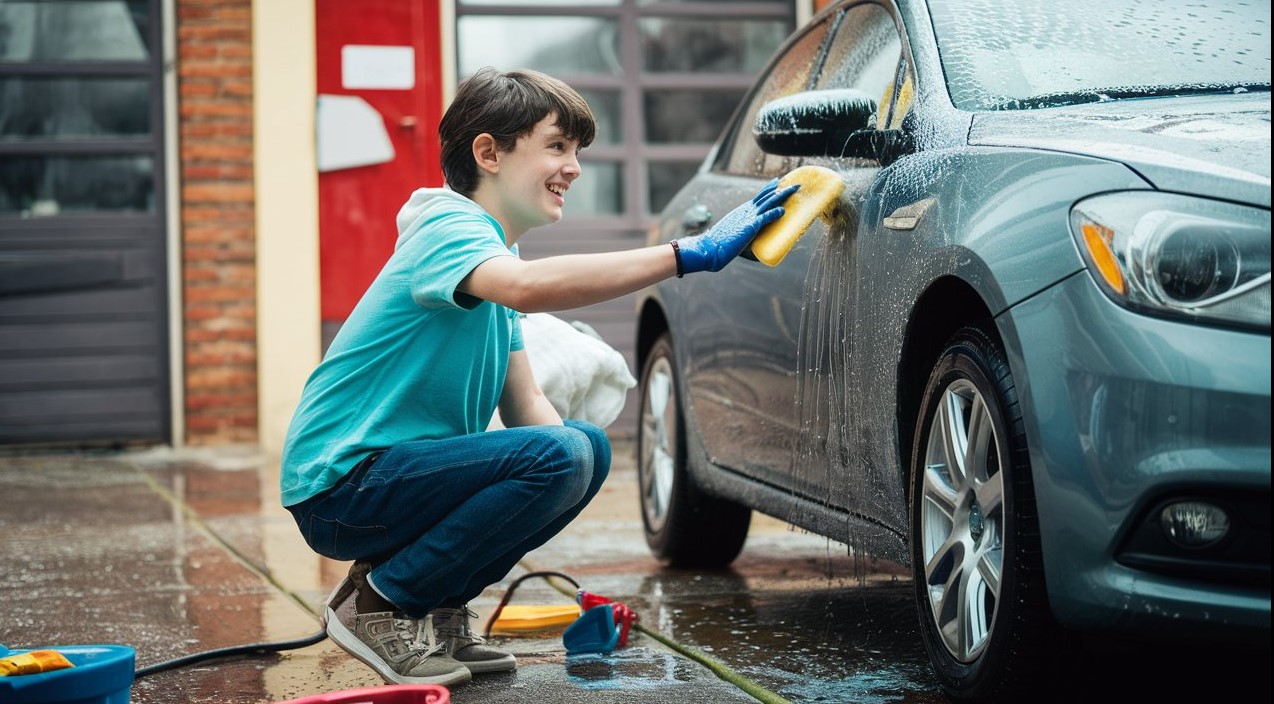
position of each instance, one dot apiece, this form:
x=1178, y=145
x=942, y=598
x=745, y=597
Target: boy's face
x=535, y=176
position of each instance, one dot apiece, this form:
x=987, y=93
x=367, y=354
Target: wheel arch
x=651, y=323
x=949, y=304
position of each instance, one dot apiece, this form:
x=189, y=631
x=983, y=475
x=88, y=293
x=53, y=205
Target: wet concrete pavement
x=182, y=552
x=177, y=553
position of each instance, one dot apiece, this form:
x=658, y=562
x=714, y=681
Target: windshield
x=1019, y=54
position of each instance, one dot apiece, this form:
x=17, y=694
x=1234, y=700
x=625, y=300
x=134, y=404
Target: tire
x=684, y=525
x=975, y=549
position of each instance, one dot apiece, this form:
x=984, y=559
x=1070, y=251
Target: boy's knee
x=574, y=458
x=598, y=441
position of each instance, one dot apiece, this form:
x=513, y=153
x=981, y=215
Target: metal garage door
x=83, y=294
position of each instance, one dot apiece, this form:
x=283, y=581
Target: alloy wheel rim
x=658, y=444
x=962, y=521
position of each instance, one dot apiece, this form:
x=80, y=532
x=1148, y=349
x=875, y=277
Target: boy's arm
x=568, y=281
x=522, y=402
x=575, y=280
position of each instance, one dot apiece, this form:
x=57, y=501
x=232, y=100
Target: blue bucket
x=102, y=674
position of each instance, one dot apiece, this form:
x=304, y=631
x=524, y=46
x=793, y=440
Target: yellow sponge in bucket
x=33, y=662
x=819, y=191
x=99, y=674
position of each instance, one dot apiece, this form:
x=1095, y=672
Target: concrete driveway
x=175, y=553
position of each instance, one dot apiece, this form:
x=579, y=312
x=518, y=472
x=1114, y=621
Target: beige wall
x=287, y=210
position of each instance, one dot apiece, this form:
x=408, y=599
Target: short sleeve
x=443, y=251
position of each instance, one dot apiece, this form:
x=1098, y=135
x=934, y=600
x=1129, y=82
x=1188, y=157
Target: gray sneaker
x=458, y=641
x=400, y=649
x=347, y=588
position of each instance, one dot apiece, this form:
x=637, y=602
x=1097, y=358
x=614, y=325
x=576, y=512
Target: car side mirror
x=835, y=123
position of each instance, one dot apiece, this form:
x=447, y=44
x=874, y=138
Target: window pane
x=677, y=116
x=73, y=107
x=610, y=121
x=74, y=31
x=664, y=179
x=792, y=75
x=997, y=53
x=554, y=45
x=598, y=190
x=864, y=54
x=714, y=46
x=40, y=186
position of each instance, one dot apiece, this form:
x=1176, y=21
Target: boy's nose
x=572, y=168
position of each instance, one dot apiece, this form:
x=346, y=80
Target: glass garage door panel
x=44, y=186
x=83, y=256
x=106, y=30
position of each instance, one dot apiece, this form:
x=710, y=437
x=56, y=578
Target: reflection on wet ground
x=849, y=645
x=802, y=626
x=174, y=556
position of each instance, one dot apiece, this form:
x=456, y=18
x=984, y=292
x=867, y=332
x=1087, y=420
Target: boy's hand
x=712, y=250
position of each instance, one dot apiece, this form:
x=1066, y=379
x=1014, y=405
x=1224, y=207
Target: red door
x=380, y=100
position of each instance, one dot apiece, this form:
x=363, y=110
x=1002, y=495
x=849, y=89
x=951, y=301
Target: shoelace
x=458, y=626
x=424, y=632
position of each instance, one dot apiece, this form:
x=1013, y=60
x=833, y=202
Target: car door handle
x=908, y=216
x=696, y=217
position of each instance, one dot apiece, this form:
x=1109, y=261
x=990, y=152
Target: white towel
x=582, y=376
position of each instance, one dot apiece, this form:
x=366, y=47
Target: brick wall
x=214, y=78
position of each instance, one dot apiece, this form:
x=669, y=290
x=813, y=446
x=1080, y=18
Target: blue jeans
x=440, y=520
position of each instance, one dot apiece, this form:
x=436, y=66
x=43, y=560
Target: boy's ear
x=486, y=153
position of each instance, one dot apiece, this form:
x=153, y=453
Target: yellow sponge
x=33, y=663
x=514, y=619
x=820, y=188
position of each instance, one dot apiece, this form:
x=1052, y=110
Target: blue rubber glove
x=712, y=250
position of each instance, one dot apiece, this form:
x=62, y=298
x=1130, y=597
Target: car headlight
x=1176, y=255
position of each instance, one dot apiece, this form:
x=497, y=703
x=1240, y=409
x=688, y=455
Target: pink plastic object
x=388, y=694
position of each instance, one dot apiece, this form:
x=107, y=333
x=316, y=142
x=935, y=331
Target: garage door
x=83, y=295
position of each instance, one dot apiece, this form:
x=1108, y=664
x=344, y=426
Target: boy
x=388, y=462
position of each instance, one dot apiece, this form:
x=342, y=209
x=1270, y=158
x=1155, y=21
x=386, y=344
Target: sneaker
x=401, y=650
x=357, y=573
x=452, y=628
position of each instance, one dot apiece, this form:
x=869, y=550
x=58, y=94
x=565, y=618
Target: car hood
x=1215, y=145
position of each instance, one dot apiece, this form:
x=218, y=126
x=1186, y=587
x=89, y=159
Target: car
x=1026, y=353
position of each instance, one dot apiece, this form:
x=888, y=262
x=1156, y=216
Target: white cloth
x=582, y=376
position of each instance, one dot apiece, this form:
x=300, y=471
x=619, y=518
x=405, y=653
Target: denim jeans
x=440, y=520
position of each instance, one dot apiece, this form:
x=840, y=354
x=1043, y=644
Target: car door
x=738, y=358
x=772, y=370
x=828, y=462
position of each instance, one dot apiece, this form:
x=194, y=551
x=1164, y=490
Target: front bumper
x=1123, y=412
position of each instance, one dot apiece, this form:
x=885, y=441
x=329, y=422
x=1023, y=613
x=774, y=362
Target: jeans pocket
x=341, y=541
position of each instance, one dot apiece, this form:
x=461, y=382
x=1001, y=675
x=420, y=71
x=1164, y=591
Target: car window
x=865, y=55
x=1024, y=54
x=789, y=75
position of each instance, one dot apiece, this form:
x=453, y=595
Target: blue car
x=1027, y=352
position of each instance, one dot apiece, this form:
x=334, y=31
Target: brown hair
x=506, y=105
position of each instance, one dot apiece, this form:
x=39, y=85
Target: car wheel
x=684, y=525
x=976, y=556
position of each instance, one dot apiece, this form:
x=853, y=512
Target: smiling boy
x=388, y=461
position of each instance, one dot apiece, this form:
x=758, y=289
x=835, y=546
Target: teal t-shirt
x=416, y=360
